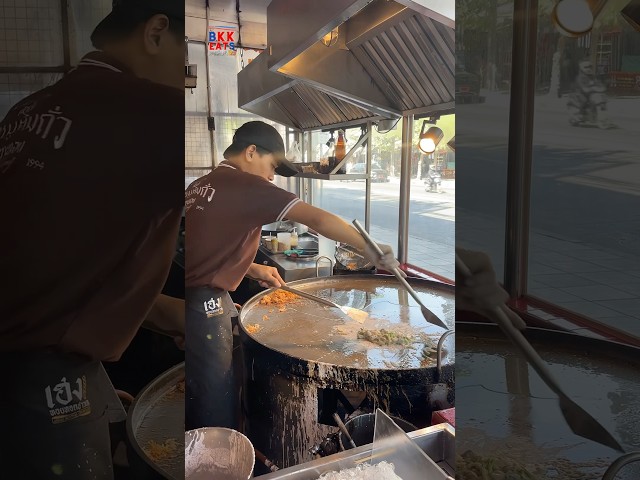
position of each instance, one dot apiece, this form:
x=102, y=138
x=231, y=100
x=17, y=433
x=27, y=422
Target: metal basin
x=156, y=416
x=362, y=428
x=437, y=441
x=217, y=453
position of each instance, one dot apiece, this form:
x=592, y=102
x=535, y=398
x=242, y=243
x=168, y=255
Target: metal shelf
x=334, y=176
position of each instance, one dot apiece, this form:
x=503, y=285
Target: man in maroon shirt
x=225, y=211
x=91, y=197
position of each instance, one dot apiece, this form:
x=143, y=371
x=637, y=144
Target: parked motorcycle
x=433, y=181
x=587, y=104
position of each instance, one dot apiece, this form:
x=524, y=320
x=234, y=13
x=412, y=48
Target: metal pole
x=308, y=183
x=66, y=43
x=405, y=188
x=367, y=196
x=525, y=23
x=212, y=138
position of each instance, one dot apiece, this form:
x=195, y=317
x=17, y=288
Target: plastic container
x=326, y=247
x=284, y=241
x=331, y=154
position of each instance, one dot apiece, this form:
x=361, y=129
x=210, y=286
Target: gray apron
x=56, y=414
x=211, y=398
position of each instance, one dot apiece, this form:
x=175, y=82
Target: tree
x=606, y=15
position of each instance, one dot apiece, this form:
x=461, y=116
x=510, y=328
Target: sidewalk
x=601, y=284
x=433, y=254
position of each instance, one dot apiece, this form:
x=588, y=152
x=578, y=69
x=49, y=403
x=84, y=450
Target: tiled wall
x=197, y=143
x=30, y=33
x=197, y=139
x=31, y=37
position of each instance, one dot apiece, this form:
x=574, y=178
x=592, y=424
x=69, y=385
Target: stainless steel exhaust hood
x=292, y=102
x=390, y=58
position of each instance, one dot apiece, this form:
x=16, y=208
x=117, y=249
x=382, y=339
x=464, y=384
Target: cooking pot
x=299, y=356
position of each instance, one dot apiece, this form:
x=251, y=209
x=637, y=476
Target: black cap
x=266, y=137
x=123, y=11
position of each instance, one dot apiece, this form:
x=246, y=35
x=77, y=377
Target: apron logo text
x=213, y=307
x=65, y=402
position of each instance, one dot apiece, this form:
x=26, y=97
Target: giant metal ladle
x=580, y=422
x=426, y=313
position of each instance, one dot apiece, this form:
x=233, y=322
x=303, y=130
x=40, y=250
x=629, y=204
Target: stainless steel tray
x=437, y=441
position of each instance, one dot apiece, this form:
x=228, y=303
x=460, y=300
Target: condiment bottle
x=274, y=244
x=341, y=149
x=331, y=153
x=294, y=238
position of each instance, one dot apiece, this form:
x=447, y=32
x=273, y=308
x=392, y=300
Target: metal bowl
x=157, y=415
x=217, y=453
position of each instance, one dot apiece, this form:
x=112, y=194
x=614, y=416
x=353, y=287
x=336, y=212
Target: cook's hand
x=481, y=292
x=387, y=261
x=266, y=276
x=180, y=341
x=167, y=316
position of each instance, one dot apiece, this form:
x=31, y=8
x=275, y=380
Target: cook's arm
x=335, y=228
x=167, y=316
x=326, y=224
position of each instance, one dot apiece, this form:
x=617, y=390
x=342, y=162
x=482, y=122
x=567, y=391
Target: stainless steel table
x=437, y=441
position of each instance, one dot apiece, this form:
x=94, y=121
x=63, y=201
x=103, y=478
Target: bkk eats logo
x=222, y=40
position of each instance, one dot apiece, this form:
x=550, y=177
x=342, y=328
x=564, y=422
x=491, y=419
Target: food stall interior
x=349, y=65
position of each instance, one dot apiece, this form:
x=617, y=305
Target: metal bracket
x=318, y=262
x=439, y=351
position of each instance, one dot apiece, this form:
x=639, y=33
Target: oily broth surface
x=312, y=331
x=506, y=411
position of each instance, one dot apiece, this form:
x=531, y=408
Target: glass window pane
x=483, y=73
x=432, y=204
x=345, y=198
x=585, y=241
x=385, y=185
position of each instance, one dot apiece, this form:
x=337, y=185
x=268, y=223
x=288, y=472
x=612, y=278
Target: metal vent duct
x=390, y=59
x=292, y=102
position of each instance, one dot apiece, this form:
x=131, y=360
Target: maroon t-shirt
x=225, y=211
x=91, y=196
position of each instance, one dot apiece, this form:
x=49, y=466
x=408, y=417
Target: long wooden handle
x=309, y=296
x=534, y=358
x=395, y=271
x=516, y=337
